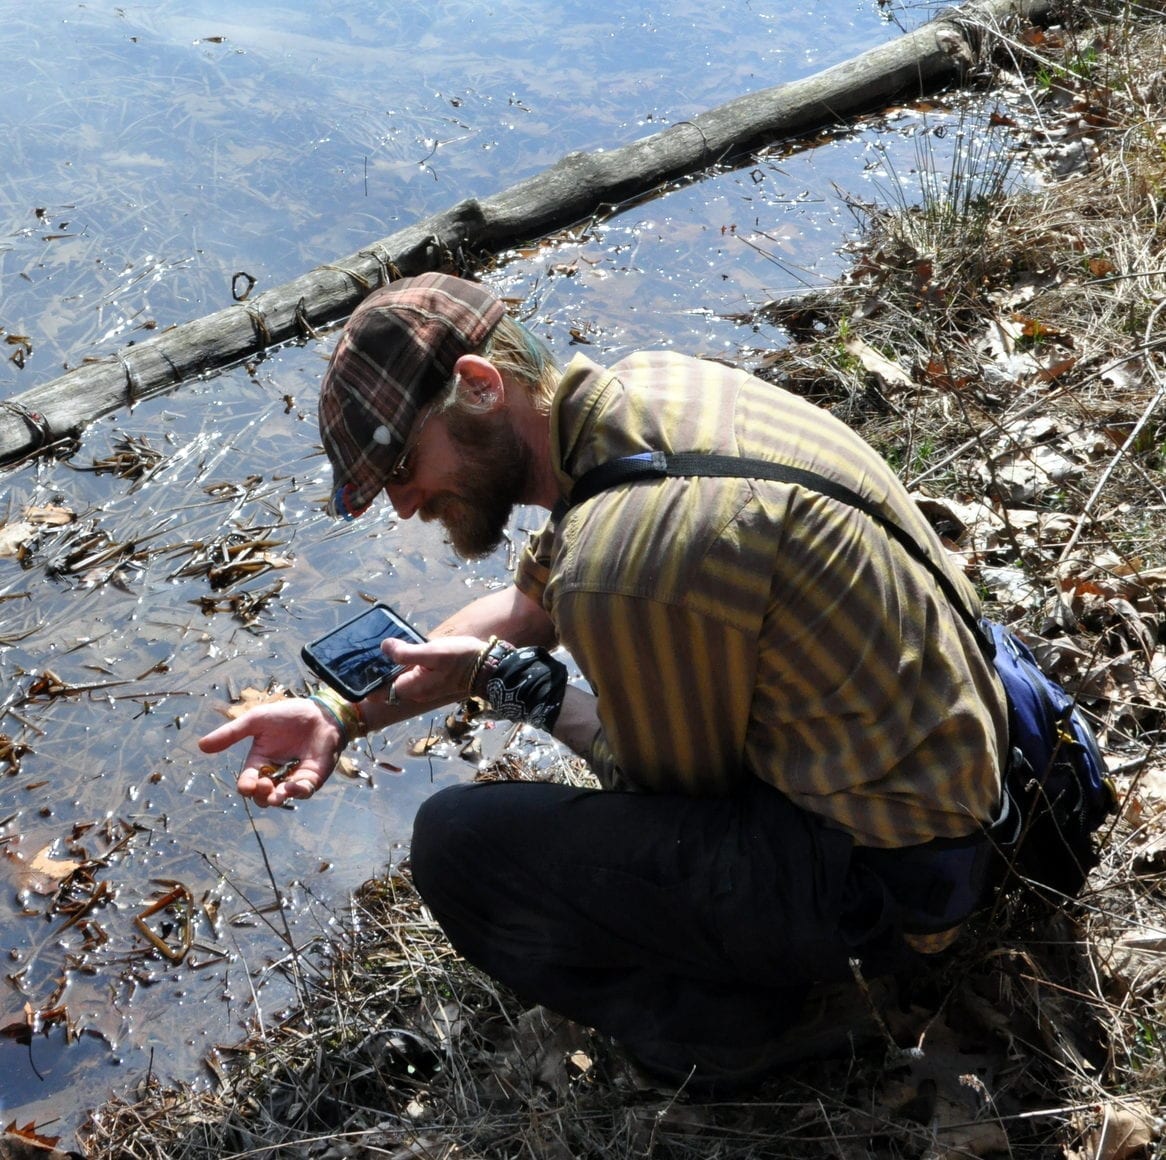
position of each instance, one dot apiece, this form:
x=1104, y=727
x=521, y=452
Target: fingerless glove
x=520, y=684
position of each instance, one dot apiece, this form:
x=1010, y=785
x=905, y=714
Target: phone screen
x=349, y=658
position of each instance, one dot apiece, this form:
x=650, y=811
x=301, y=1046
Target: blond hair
x=521, y=356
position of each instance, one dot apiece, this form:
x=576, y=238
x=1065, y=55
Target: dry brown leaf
x=1010, y=587
x=1022, y=289
x=971, y=523
x=544, y=1042
x=1037, y=330
x=1132, y=958
x=346, y=766
x=423, y=745
x=1024, y=432
x=937, y=376
x=1152, y=783
x=27, y=1144
x=1144, y=940
x=1024, y=477
x=11, y=751
x=1130, y=693
x=1150, y=577
x=999, y=345
x=1056, y=370
x=1089, y=444
x=1126, y=1130
x=1139, y=632
x=943, y=1086
x=889, y=373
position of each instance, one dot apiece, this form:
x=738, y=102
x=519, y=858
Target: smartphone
x=349, y=658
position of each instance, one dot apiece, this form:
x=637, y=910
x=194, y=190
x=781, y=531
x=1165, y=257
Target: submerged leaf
x=13, y=537
x=44, y=874
x=251, y=698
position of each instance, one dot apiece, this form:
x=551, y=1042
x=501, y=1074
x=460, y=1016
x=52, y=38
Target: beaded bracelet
x=478, y=662
x=524, y=684
x=487, y=665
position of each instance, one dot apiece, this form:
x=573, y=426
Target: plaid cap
x=396, y=352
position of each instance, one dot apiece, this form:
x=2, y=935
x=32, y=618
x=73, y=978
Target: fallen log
x=578, y=187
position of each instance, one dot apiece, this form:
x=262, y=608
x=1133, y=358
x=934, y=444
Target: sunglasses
x=401, y=470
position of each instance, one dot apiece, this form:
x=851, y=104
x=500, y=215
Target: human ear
x=480, y=383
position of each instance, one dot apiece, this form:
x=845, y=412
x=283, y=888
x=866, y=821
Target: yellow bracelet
x=348, y=716
x=358, y=713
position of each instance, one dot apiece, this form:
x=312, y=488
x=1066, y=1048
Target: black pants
x=686, y=928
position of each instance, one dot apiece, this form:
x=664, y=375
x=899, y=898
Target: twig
x=1131, y=438
x=294, y=953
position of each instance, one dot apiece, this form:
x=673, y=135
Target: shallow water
x=153, y=152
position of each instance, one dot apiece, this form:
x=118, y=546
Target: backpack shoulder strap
x=660, y=465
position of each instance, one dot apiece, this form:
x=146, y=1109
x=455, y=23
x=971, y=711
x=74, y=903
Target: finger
x=265, y=793
x=224, y=736
x=283, y=792
x=255, y=782
x=260, y=792
x=299, y=788
x=258, y=777
x=403, y=652
x=443, y=673
x=247, y=782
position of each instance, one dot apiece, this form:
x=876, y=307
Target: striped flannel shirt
x=732, y=627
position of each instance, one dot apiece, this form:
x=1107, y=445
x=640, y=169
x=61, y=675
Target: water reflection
x=153, y=152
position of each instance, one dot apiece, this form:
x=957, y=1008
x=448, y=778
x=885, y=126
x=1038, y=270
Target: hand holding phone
x=349, y=658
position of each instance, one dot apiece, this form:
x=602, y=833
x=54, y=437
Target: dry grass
x=405, y=1051
x=1003, y=348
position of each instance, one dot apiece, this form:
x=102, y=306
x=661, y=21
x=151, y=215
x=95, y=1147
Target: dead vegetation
x=405, y=1051
x=999, y=338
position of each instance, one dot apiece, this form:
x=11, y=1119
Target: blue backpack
x=1056, y=792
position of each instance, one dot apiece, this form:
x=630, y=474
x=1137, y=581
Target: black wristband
x=525, y=684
